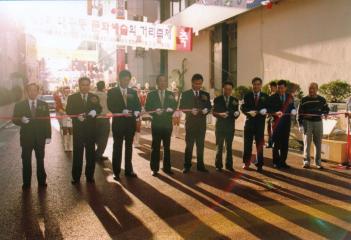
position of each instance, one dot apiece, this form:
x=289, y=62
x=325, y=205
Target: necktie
x=256, y=99
x=162, y=97
x=282, y=98
x=33, y=109
x=227, y=101
x=125, y=96
x=84, y=99
x=197, y=93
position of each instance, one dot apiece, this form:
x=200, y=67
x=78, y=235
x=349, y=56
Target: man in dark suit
x=272, y=90
x=123, y=100
x=199, y=103
x=87, y=106
x=164, y=103
x=32, y=115
x=282, y=107
x=226, y=110
x=255, y=107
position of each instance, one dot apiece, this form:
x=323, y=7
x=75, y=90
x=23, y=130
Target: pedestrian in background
x=87, y=106
x=310, y=113
x=102, y=122
x=66, y=122
x=195, y=122
x=255, y=108
x=226, y=110
x=164, y=104
x=123, y=100
x=33, y=117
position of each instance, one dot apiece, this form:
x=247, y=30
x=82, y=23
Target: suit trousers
x=158, y=135
x=27, y=150
x=280, y=145
x=253, y=130
x=226, y=137
x=120, y=135
x=81, y=143
x=192, y=136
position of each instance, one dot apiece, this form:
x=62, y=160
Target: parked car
x=49, y=99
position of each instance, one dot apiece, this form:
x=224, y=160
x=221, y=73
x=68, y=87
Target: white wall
x=198, y=60
x=298, y=40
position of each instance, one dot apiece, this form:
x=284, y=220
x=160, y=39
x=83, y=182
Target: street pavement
x=276, y=204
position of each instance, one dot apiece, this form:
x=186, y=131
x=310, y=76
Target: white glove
x=169, y=110
x=136, y=114
x=81, y=117
x=159, y=111
x=301, y=129
x=204, y=111
x=236, y=114
x=263, y=111
x=252, y=113
x=25, y=120
x=92, y=113
x=194, y=111
x=279, y=114
x=125, y=111
x=293, y=112
x=48, y=141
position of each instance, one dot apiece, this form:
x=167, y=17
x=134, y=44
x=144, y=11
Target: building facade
x=297, y=40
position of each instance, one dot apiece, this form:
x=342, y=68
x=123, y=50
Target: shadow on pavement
x=305, y=220
x=38, y=224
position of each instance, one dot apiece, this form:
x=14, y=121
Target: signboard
x=120, y=31
x=184, y=39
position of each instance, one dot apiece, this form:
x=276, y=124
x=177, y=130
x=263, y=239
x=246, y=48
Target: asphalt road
x=290, y=204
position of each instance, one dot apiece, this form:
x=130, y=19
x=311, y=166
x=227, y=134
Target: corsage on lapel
x=129, y=96
x=235, y=102
x=42, y=107
x=170, y=97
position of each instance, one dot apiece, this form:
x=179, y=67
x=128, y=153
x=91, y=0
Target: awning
x=200, y=16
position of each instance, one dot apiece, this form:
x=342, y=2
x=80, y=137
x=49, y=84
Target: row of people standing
x=195, y=103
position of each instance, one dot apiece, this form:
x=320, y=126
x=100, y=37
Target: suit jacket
x=219, y=106
x=249, y=105
x=189, y=101
x=275, y=105
x=153, y=102
x=116, y=104
x=37, y=130
x=75, y=105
